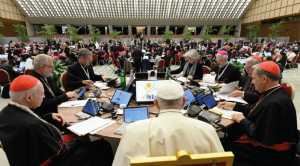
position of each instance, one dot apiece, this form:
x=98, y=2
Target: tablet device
x=133, y=114
x=80, y=94
x=209, y=101
x=146, y=91
x=199, y=97
x=92, y=107
x=121, y=97
x=189, y=97
x=129, y=83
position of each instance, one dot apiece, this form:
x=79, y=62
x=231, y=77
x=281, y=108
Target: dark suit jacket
x=9, y=69
x=77, y=71
x=46, y=49
x=12, y=53
x=49, y=103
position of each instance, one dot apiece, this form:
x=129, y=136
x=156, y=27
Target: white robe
x=166, y=135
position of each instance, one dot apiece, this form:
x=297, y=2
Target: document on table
x=209, y=79
x=226, y=113
x=102, y=85
x=230, y=87
x=183, y=79
x=103, y=127
x=90, y=126
x=76, y=103
x=233, y=99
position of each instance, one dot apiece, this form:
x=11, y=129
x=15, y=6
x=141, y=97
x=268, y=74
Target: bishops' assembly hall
x=149, y=83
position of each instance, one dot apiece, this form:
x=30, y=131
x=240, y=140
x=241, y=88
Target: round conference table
x=108, y=132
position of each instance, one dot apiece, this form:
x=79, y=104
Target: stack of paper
x=76, y=103
x=233, y=99
x=102, y=85
x=209, y=78
x=226, y=113
x=230, y=87
x=92, y=125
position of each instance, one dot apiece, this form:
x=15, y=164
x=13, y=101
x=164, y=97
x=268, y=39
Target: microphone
x=96, y=93
x=182, y=83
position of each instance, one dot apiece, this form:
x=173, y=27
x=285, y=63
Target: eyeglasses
x=51, y=67
x=248, y=68
x=88, y=59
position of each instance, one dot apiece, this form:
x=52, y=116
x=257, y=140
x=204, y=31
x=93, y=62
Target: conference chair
x=205, y=69
x=289, y=88
x=177, y=59
x=4, y=77
x=200, y=59
x=233, y=54
x=170, y=64
x=5, y=162
x=212, y=65
x=63, y=82
x=95, y=59
x=161, y=65
x=183, y=158
x=27, y=71
x=291, y=64
x=118, y=64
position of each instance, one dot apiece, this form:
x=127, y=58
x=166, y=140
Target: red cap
x=23, y=82
x=270, y=67
x=256, y=57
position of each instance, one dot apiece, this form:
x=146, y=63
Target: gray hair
x=3, y=60
x=276, y=50
x=255, y=61
x=19, y=96
x=193, y=54
x=84, y=52
x=170, y=103
x=260, y=72
x=225, y=57
x=41, y=59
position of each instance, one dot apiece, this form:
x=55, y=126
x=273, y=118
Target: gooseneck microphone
x=96, y=92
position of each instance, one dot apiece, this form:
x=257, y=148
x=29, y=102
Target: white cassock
x=165, y=136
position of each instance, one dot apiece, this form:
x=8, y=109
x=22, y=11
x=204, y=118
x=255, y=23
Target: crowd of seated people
x=263, y=78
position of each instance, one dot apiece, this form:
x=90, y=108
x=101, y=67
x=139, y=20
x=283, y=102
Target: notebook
x=89, y=125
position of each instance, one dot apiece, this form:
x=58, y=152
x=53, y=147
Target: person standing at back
x=137, y=57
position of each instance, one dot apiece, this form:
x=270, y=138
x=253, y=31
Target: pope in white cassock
x=169, y=133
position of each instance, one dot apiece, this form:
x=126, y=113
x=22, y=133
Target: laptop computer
x=133, y=114
x=209, y=101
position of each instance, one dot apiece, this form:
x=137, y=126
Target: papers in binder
x=183, y=79
x=102, y=85
x=230, y=87
x=226, y=113
x=209, y=79
x=92, y=125
x=233, y=99
x=76, y=103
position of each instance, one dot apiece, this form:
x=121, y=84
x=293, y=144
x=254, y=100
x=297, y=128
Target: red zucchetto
x=23, y=82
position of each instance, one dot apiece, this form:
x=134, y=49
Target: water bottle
x=167, y=74
x=123, y=82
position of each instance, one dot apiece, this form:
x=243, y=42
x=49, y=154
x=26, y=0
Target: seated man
x=83, y=70
x=121, y=58
x=266, y=133
x=191, y=69
x=248, y=91
x=208, y=61
x=9, y=69
x=224, y=71
x=42, y=69
x=169, y=133
x=30, y=141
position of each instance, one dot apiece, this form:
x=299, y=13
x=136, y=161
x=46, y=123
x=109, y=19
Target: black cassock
x=28, y=141
x=268, y=133
x=231, y=74
x=251, y=96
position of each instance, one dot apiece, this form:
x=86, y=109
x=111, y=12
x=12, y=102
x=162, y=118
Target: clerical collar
x=270, y=89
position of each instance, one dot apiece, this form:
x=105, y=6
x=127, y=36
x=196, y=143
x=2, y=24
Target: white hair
x=255, y=61
x=224, y=56
x=19, y=96
x=170, y=103
x=193, y=54
x=41, y=59
x=276, y=50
